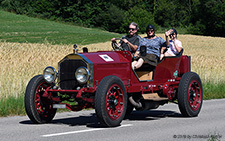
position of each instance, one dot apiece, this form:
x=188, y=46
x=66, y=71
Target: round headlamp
x=82, y=75
x=49, y=74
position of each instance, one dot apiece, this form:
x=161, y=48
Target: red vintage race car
x=105, y=81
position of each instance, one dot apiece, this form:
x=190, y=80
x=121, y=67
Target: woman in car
x=154, y=46
x=174, y=45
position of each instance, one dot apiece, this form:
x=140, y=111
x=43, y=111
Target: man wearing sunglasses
x=131, y=41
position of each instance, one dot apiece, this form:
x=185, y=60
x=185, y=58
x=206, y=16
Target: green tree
x=44, y=8
x=126, y=4
x=16, y=6
x=140, y=16
x=166, y=13
x=111, y=19
x=209, y=19
x=185, y=8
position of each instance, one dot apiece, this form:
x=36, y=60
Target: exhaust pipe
x=134, y=103
x=145, y=105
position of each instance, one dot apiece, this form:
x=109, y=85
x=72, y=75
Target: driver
x=131, y=41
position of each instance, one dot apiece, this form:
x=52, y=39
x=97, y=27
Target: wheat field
x=19, y=62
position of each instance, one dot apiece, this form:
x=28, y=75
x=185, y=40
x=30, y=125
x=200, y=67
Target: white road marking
x=83, y=131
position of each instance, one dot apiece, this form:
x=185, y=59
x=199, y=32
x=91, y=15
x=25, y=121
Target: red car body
x=114, y=83
x=120, y=66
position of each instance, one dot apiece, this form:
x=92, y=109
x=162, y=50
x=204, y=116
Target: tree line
x=201, y=17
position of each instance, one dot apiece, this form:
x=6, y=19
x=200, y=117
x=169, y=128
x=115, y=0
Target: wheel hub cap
x=194, y=95
x=114, y=102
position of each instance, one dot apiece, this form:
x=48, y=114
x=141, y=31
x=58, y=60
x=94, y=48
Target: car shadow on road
x=152, y=115
x=91, y=120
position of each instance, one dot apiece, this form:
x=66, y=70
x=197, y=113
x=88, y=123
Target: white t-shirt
x=172, y=49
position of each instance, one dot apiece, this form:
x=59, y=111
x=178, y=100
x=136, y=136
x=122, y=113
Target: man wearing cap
x=131, y=41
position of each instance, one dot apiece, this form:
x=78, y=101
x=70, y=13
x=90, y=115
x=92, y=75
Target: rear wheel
x=111, y=101
x=190, y=94
x=38, y=108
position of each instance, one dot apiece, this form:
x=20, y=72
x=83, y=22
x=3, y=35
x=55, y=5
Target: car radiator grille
x=67, y=73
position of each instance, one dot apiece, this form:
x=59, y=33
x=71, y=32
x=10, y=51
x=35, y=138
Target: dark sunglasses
x=150, y=31
x=132, y=29
x=171, y=34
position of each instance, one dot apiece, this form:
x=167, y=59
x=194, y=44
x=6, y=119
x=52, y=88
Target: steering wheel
x=115, y=46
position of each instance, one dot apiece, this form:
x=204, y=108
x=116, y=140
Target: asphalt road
x=162, y=124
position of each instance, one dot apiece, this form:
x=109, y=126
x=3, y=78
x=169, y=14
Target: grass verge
x=12, y=106
x=213, y=91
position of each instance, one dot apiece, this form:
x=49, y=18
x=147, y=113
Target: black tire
x=39, y=109
x=111, y=101
x=190, y=94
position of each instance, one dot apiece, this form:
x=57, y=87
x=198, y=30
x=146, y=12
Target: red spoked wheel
x=115, y=102
x=111, y=101
x=38, y=108
x=190, y=94
x=194, y=95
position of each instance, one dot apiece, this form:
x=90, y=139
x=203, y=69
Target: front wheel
x=190, y=94
x=38, y=108
x=111, y=101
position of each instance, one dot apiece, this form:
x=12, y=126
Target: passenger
x=174, y=45
x=153, y=46
x=131, y=41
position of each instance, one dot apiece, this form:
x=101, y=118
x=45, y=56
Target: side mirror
x=143, y=50
x=85, y=50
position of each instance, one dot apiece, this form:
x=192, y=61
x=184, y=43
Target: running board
x=154, y=97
